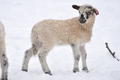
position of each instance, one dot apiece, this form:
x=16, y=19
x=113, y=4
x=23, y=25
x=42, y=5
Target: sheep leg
x=42, y=59
x=76, y=53
x=4, y=66
x=28, y=55
x=84, y=56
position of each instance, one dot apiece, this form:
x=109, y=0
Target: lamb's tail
x=36, y=44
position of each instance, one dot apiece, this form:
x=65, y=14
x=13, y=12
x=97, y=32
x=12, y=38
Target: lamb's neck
x=88, y=26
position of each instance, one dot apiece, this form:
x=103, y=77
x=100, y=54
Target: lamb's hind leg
x=84, y=56
x=28, y=55
x=76, y=53
x=4, y=66
x=42, y=57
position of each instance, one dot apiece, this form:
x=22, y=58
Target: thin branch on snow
x=113, y=54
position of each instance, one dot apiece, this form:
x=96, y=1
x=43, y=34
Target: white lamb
x=3, y=58
x=75, y=32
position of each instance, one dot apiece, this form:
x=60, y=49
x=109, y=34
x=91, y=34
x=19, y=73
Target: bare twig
x=113, y=54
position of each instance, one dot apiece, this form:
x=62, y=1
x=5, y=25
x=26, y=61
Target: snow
x=19, y=16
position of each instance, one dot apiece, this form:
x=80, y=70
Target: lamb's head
x=86, y=12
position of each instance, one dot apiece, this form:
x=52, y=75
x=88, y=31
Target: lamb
x=75, y=32
x=3, y=57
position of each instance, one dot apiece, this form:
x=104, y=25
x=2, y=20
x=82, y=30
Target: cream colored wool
x=3, y=58
x=76, y=32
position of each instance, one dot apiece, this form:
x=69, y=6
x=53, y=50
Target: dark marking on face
x=89, y=7
x=82, y=19
x=82, y=16
x=88, y=14
x=85, y=11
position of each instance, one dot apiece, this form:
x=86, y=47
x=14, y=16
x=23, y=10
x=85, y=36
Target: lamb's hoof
x=24, y=70
x=75, y=70
x=85, y=69
x=5, y=78
x=48, y=73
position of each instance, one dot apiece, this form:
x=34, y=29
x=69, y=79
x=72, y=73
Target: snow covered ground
x=19, y=16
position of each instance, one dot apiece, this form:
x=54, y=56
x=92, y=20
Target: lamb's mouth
x=82, y=21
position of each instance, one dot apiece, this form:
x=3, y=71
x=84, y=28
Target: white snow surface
x=19, y=16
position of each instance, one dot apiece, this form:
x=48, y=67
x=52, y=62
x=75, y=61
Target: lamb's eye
x=88, y=13
x=89, y=7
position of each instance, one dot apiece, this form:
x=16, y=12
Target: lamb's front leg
x=84, y=56
x=76, y=54
x=4, y=66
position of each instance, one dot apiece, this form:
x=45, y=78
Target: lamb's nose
x=82, y=16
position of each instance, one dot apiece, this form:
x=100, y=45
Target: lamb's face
x=86, y=11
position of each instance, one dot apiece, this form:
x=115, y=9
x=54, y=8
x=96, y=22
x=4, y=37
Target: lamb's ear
x=96, y=11
x=76, y=7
